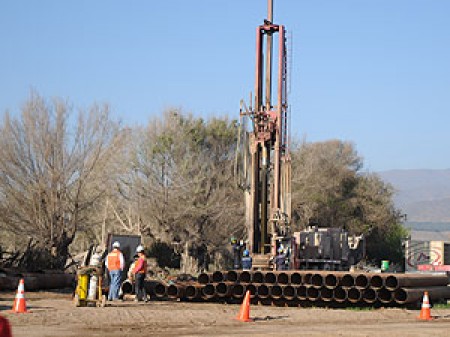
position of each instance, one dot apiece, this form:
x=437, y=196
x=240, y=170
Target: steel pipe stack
x=300, y=287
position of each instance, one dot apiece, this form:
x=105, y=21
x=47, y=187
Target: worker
x=236, y=253
x=114, y=263
x=247, y=261
x=280, y=259
x=140, y=270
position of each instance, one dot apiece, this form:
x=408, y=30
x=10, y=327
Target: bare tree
x=54, y=167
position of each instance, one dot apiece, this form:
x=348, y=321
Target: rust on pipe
x=275, y=291
x=203, y=278
x=347, y=281
x=270, y=277
x=369, y=295
x=263, y=291
x=317, y=280
x=232, y=276
x=312, y=293
x=301, y=292
x=296, y=278
x=253, y=290
x=288, y=292
x=326, y=294
x=245, y=277
x=354, y=295
x=238, y=291
x=258, y=277
x=175, y=291
x=331, y=281
x=384, y=295
x=340, y=294
x=376, y=282
x=361, y=281
x=412, y=295
x=160, y=290
x=217, y=276
x=283, y=278
x=209, y=291
x=223, y=289
x=193, y=291
x=395, y=281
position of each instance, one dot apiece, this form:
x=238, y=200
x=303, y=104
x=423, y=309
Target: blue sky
x=374, y=72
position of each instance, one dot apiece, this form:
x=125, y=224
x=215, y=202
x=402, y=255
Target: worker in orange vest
x=5, y=328
x=140, y=270
x=115, y=264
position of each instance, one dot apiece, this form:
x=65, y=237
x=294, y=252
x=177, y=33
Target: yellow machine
x=89, y=288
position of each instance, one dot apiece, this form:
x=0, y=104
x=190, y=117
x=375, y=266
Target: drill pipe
x=209, y=291
x=258, y=277
x=288, y=292
x=301, y=293
x=369, y=295
x=193, y=291
x=354, y=295
x=175, y=291
x=384, y=295
x=231, y=276
x=361, y=281
x=376, y=282
x=296, y=278
x=282, y=278
x=204, y=278
x=326, y=294
x=160, y=290
x=395, y=281
x=263, y=291
x=275, y=291
x=238, y=291
x=340, y=294
x=411, y=295
x=312, y=294
x=245, y=277
x=270, y=277
x=217, y=276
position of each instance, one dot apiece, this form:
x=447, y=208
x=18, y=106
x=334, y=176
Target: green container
x=384, y=265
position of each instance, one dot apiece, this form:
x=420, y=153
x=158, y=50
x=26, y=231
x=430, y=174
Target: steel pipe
x=384, y=295
x=160, y=290
x=312, y=293
x=369, y=295
x=209, y=291
x=217, y=277
x=193, y=291
x=175, y=291
x=331, y=281
x=376, y=282
x=317, y=280
x=275, y=291
x=282, y=278
x=296, y=278
x=395, y=281
x=232, y=276
x=326, y=294
x=361, y=281
x=204, y=278
x=354, y=295
x=253, y=290
x=411, y=295
x=301, y=293
x=238, y=291
x=245, y=277
x=263, y=291
x=307, y=278
x=223, y=289
x=347, y=281
x=288, y=292
x=258, y=277
x=127, y=287
x=340, y=294
x=270, y=277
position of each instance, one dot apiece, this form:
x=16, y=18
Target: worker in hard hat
x=114, y=263
x=140, y=270
x=280, y=259
x=247, y=260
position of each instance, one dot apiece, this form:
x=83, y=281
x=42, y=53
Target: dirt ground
x=53, y=314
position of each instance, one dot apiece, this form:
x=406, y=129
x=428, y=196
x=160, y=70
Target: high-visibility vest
x=142, y=260
x=114, y=260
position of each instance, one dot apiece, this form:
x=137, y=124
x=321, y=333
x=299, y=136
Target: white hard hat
x=139, y=249
x=116, y=244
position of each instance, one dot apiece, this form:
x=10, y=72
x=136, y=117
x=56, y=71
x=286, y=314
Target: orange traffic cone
x=244, y=313
x=425, y=313
x=19, y=302
x=5, y=328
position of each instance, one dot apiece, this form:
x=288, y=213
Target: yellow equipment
x=81, y=298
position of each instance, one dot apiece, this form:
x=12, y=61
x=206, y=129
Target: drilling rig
x=263, y=151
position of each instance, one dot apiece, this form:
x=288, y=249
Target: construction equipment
x=263, y=165
x=89, y=288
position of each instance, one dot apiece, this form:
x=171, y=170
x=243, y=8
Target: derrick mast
x=268, y=199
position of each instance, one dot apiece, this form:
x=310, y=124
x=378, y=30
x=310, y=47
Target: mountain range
x=423, y=195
